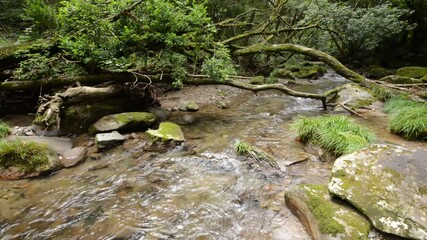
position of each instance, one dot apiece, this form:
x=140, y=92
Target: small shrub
x=27, y=156
x=407, y=118
x=4, y=129
x=337, y=134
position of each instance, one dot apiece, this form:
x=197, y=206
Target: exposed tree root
x=48, y=113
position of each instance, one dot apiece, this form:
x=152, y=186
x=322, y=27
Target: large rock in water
x=388, y=184
x=354, y=96
x=323, y=217
x=123, y=121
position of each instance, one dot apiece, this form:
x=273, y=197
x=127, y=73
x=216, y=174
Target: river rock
x=354, y=96
x=162, y=114
x=188, y=106
x=388, y=184
x=167, y=131
x=323, y=217
x=108, y=140
x=15, y=172
x=73, y=156
x=123, y=121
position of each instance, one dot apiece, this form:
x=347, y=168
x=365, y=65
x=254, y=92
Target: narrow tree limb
x=263, y=32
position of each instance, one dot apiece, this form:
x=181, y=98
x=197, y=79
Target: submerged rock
x=74, y=156
x=108, y=140
x=162, y=114
x=188, y=106
x=167, y=131
x=323, y=217
x=388, y=184
x=123, y=121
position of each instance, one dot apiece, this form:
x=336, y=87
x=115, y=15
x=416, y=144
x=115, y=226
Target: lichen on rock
x=385, y=182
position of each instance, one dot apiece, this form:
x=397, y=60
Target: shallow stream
x=201, y=190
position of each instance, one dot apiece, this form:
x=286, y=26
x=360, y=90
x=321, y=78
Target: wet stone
x=323, y=217
x=108, y=140
x=388, y=184
x=74, y=156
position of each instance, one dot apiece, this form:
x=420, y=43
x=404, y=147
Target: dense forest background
x=179, y=36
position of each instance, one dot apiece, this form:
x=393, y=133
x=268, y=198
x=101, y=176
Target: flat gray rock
x=388, y=184
x=108, y=140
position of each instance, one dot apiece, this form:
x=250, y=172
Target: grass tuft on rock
x=407, y=118
x=4, y=129
x=27, y=156
x=244, y=149
x=335, y=133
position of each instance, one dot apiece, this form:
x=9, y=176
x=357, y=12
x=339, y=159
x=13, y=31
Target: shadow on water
x=206, y=193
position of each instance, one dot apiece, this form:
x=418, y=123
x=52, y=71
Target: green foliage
x=352, y=30
x=41, y=66
x=27, y=156
x=407, y=118
x=245, y=149
x=4, y=129
x=220, y=66
x=160, y=37
x=335, y=133
x=41, y=15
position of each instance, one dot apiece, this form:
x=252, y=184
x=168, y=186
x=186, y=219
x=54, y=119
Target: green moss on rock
x=26, y=156
x=167, y=131
x=412, y=72
x=324, y=217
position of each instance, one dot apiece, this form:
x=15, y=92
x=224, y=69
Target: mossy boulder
x=377, y=72
x=324, y=217
x=388, y=184
x=167, y=132
x=354, y=96
x=24, y=159
x=123, y=122
x=188, y=106
x=424, y=79
x=395, y=79
x=412, y=72
x=306, y=70
x=257, y=80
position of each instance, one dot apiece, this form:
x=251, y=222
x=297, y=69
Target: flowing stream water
x=201, y=190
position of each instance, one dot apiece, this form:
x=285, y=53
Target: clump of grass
x=335, y=133
x=407, y=118
x=4, y=129
x=27, y=156
x=244, y=149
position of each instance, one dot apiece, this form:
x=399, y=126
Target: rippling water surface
x=198, y=191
